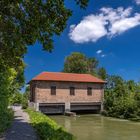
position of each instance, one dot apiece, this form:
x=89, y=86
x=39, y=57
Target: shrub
x=6, y=118
x=24, y=103
x=104, y=113
x=46, y=128
x=16, y=98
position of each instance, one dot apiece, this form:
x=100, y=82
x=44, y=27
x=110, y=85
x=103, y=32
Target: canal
x=96, y=127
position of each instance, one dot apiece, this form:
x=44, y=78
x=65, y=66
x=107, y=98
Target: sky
x=108, y=30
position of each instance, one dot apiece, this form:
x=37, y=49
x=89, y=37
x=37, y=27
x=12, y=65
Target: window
x=89, y=91
x=53, y=90
x=72, y=91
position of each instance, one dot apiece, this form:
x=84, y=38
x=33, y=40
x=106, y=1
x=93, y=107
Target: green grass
x=46, y=128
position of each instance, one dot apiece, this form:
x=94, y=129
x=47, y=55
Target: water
x=96, y=127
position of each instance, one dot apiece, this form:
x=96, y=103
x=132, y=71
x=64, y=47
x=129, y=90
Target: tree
x=22, y=23
x=79, y=63
x=6, y=81
x=16, y=98
x=26, y=94
x=26, y=97
x=122, y=98
x=102, y=73
x=92, y=64
x=75, y=63
x=131, y=85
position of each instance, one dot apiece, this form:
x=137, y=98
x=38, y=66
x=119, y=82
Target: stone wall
x=43, y=92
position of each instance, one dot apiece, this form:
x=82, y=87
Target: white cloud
x=120, y=20
x=109, y=22
x=137, y=2
x=103, y=55
x=123, y=25
x=91, y=28
x=99, y=51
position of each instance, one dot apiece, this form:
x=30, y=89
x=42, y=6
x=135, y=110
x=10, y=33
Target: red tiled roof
x=67, y=77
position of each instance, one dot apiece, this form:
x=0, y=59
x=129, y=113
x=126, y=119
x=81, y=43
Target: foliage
x=25, y=98
x=7, y=77
x=122, y=98
x=76, y=63
x=16, y=98
x=6, y=119
x=79, y=63
x=92, y=64
x=46, y=128
x=19, y=98
x=10, y=83
x=102, y=73
x=24, y=103
x=27, y=93
x=82, y=3
x=22, y=23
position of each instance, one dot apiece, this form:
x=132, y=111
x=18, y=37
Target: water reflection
x=67, y=124
x=95, y=127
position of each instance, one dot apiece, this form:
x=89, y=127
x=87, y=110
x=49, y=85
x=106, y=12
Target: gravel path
x=20, y=129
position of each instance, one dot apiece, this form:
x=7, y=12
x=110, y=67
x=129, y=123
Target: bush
x=15, y=98
x=122, y=98
x=24, y=104
x=104, y=113
x=46, y=128
x=6, y=118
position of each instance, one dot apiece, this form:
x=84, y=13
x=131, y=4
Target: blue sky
x=108, y=30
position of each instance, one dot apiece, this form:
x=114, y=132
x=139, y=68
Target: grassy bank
x=6, y=118
x=46, y=128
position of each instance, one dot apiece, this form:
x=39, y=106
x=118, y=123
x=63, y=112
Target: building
x=55, y=92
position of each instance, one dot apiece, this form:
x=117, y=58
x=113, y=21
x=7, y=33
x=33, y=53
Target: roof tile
x=67, y=77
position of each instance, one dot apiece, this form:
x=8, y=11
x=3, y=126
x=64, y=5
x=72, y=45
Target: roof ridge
x=68, y=73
